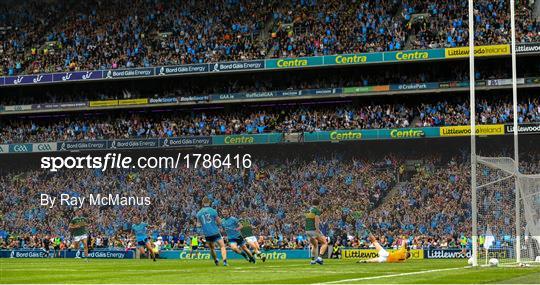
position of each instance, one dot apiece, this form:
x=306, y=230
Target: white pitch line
x=389, y=275
x=101, y=270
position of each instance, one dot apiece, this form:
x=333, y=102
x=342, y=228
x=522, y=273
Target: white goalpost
x=472, y=119
x=505, y=204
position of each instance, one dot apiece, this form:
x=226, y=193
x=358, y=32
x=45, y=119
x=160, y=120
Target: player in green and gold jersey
x=314, y=233
x=246, y=230
x=77, y=226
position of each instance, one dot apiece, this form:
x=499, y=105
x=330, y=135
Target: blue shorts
x=237, y=241
x=142, y=242
x=213, y=238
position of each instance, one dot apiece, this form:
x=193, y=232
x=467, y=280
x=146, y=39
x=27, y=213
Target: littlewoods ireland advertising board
x=481, y=130
x=431, y=253
x=364, y=254
x=479, y=51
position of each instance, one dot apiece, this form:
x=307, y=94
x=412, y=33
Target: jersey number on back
x=207, y=219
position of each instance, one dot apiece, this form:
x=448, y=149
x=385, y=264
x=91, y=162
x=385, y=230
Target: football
x=470, y=261
x=493, y=262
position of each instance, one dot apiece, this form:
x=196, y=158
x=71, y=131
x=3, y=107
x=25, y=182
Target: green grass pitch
x=239, y=271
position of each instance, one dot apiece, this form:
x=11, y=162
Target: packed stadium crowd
x=431, y=206
x=97, y=35
x=246, y=193
x=256, y=120
x=265, y=82
x=489, y=111
x=436, y=204
x=305, y=28
x=447, y=23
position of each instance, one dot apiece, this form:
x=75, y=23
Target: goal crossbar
x=510, y=170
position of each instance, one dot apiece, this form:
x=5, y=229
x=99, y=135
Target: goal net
x=508, y=221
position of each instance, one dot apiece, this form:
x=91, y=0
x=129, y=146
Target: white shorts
x=313, y=234
x=79, y=238
x=383, y=255
x=251, y=239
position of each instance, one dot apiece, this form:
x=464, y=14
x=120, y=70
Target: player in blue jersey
x=209, y=221
x=236, y=240
x=140, y=230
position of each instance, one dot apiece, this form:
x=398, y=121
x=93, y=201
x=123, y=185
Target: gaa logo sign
x=44, y=147
x=20, y=147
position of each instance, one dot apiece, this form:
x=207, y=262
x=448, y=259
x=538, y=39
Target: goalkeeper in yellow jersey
x=399, y=255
